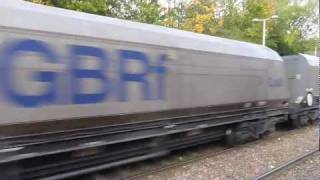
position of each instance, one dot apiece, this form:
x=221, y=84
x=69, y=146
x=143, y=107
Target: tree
x=94, y=6
x=291, y=33
x=231, y=20
x=44, y=2
x=147, y=11
x=200, y=17
x=174, y=16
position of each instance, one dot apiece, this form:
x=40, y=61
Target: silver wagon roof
x=25, y=15
x=312, y=60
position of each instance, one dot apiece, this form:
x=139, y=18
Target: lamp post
x=264, y=27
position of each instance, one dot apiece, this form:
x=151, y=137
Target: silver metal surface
x=202, y=70
x=302, y=72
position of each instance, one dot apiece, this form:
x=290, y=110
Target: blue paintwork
x=117, y=86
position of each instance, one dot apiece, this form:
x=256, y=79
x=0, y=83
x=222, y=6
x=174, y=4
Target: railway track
x=273, y=172
x=178, y=164
x=73, y=153
x=158, y=169
x=76, y=152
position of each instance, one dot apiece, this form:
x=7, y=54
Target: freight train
x=80, y=92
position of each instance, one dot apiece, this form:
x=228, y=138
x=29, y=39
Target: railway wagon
x=65, y=65
x=80, y=90
x=302, y=72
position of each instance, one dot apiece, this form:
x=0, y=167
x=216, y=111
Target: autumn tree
x=289, y=34
x=231, y=20
x=293, y=32
x=45, y=2
x=147, y=11
x=175, y=16
x=200, y=17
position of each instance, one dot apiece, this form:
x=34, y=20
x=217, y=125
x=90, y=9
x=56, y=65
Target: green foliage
x=200, y=17
x=137, y=10
x=174, y=16
x=289, y=34
x=93, y=6
x=44, y=2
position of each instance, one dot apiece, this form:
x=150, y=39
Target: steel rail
x=188, y=161
x=97, y=168
x=101, y=167
x=195, y=159
x=286, y=165
x=105, y=165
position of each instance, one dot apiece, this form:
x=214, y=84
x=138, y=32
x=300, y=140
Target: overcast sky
x=165, y=2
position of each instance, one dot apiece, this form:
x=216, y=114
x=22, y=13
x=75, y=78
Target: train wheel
x=309, y=99
x=230, y=138
x=300, y=121
x=296, y=123
x=9, y=172
x=242, y=133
